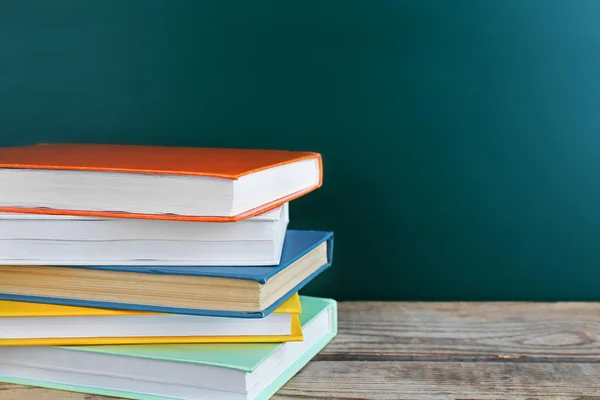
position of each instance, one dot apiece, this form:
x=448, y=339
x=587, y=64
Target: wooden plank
x=411, y=380
x=516, y=332
x=16, y=392
x=443, y=350
x=443, y=380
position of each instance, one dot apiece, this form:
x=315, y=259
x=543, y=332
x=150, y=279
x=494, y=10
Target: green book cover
x=242, y=357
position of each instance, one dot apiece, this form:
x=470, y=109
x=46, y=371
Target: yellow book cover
x=36, y=324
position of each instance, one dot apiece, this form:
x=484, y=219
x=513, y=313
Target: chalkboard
x=461, y=139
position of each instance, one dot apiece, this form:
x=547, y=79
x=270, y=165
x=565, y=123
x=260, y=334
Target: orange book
x=151, y=182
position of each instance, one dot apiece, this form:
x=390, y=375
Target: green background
x=461, y=139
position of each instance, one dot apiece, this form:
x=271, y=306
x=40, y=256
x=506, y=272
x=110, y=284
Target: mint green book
x=182, y=372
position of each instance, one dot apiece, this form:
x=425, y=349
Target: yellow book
x=35, y=324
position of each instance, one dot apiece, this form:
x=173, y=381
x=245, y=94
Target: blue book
x=243, y=292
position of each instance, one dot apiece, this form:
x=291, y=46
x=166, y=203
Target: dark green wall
x=461, y=139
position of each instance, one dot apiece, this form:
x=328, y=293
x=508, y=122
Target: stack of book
x=158, y=272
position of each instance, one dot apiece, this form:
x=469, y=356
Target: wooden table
x=442, y=351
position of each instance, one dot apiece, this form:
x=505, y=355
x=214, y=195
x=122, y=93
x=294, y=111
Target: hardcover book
x=37, y=239
x=245, y=292
x=35, y=324
x=166, y=372
x=174, y=183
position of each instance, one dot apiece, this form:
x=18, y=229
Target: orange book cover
x=160, y=160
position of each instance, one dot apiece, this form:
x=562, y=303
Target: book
x=166, y=372
x=35, y=239
x=153, y=182
x=35, y=324
x=245, y=292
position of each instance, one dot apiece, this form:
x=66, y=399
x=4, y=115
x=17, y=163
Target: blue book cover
x=297, y=244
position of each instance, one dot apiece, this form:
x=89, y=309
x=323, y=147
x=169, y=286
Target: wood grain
x=412, y=380
x=428, y=351
x=443, y=380
x=515, y=332
x=14, y=392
